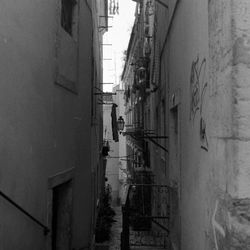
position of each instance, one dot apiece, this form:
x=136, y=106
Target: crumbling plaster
x=241, y=91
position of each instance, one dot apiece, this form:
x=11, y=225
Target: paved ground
x=114, y=243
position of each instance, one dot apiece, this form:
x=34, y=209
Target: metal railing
x=46, y=230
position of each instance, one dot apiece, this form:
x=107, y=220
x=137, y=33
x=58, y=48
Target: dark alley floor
x=115, y=241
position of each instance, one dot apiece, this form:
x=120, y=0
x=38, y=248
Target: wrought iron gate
x=146, y=215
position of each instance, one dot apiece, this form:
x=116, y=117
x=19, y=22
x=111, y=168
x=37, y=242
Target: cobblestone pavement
x=115, y=241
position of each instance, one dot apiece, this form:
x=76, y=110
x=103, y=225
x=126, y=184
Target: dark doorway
x=62, y=216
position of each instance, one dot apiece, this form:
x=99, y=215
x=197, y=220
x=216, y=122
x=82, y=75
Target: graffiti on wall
x=198, y=88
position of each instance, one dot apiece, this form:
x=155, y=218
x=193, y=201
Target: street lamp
x=120, y=124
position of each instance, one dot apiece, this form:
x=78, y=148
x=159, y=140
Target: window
x=67, y=67
x=67, y=15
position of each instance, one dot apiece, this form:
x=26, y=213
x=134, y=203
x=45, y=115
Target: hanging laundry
x=117, y=7
x=114, y=7
x=110, y=7
x=114, y=123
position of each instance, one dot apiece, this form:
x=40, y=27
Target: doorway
x=60, y=210
x=62, y=216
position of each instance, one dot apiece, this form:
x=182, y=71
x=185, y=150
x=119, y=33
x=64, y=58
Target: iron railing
x=46, y=230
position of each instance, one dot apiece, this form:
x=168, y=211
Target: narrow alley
x=115, y=241
x=125, y=125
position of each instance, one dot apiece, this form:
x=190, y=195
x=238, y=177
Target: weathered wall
x=207, y=61
x=188, y=163
x=45, y=129
x=239, y=222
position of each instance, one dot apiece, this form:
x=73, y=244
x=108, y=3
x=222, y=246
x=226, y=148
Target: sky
x=118, y=36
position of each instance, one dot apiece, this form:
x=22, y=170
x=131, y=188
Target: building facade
x=187, y=63
x=51, y=126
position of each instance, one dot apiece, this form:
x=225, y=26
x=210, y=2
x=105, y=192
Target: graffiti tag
x=198, y=87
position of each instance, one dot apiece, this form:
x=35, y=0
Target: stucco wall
x=188, y=162
x=27, y=130
x=45, y=129
x=206, y=57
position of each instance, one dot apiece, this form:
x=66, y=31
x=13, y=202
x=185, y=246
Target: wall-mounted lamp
x=120, y=124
